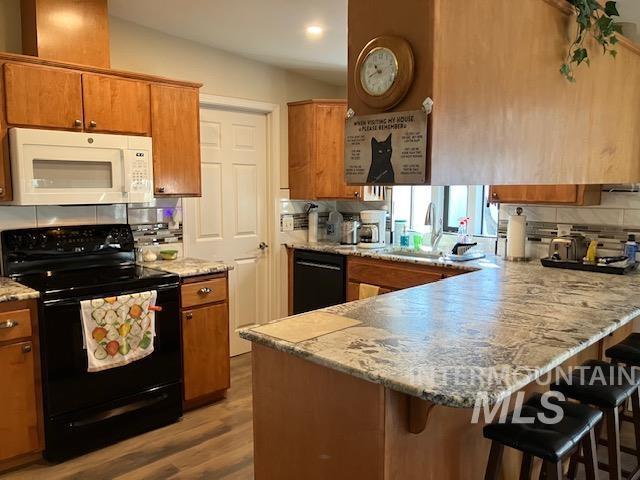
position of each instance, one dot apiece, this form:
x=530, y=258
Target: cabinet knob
x=77, y=123
x=188, y=315
x=494, y=195
x=93, y=124
x=160, y=189
x=204, y=291
x=1, y=191
x=8, y=324
x=356, y=194
x=26, y=348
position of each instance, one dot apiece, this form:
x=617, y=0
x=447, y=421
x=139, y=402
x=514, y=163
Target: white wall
x=145, y=50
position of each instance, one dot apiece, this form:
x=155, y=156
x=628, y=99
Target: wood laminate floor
x=212, y=443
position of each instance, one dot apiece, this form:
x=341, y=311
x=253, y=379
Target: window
x=452, y=204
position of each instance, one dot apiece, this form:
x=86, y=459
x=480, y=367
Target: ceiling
x=271, y=31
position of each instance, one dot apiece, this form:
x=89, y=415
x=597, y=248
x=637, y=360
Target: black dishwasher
x=318, y=280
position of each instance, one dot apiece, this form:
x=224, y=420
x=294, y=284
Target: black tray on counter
x=588, y=267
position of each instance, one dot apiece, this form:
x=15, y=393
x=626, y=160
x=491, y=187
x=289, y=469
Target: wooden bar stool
x=553, y=443
x=608, y=387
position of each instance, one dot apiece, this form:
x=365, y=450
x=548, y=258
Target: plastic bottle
x=404, y=238
x=334, y=226
x=631, y=248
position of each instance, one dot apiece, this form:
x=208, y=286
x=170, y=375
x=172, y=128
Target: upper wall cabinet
x=502, y=113
x=43, y=97
x=316, y=151
x=175, y=118
x=552, y=194
x=37, y=93
x=116, y=105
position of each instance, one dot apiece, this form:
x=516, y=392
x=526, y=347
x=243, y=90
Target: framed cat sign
x=386, y=149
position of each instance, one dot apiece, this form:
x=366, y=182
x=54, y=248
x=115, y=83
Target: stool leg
x=590, y=449
x=554, y=470
x=495, y=459
x=525, y=468
x=573, y=465
x=635, y=408
x=613, y=442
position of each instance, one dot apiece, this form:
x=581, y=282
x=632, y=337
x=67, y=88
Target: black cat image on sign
x=381, y=170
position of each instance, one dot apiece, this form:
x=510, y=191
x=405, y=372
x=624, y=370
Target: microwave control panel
x=140, y=172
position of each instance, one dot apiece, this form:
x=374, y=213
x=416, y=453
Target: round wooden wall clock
x=384, y=72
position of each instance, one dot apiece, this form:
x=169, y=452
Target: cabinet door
x=5, y=169
x=175, y=128
x=534, y=194
x=115, y=105
x=205, y=337
x=19, y=432
x=42, y=96
x=329, y=155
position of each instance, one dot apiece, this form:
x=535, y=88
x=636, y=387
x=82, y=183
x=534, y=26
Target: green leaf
x=580, y=55
x=613, y=40
x=613, y=53
x=565, y=69
x=611, y=9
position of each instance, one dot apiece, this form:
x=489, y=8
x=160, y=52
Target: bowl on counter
x=168, y=254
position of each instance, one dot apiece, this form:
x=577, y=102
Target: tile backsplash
x=609, y=223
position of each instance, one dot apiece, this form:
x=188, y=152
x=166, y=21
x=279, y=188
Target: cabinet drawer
x=15, y=324
x=202, y=293
x=391, y=275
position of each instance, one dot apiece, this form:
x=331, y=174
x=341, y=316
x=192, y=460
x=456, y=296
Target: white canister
x=313, y=226
x=517, y=236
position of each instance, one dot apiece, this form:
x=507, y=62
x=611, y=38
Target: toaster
x=570, y=247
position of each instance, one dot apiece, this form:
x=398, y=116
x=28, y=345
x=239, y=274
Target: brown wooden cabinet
x=205, y=339
x=115, y=105
x=43, y=97
x=175, y=125
x=316, y=151
x=40, y=93
x=551, y=194
x=20, y=393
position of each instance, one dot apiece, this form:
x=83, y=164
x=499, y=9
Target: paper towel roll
x=516, y=236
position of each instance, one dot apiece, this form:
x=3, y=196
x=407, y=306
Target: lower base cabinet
x=205, y=340
x=21, y=427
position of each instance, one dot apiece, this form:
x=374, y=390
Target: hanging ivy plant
x=598, y=21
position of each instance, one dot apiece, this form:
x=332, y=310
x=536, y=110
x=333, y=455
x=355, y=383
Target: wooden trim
x=419, y=411
x=201, y=278
x=290, y=252
x=14, y=57
x=203, y=400
x=317, y=100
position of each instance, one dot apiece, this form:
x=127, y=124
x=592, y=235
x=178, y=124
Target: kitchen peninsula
x=405, y=369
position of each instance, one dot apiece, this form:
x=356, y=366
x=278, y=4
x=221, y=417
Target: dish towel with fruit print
x=118, y=330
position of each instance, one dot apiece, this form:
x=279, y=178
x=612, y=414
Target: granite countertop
x=493, y=330
x=188, y=267
x=11, y=291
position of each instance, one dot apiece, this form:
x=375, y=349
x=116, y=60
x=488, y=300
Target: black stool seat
x=599, y=383
x=627, y=351
x=551, y=442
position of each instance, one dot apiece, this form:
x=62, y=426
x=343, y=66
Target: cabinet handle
x=188, y=315
x=1, y=191
x=204, y=291
x=160, y=189
x=8, y=324
x=93, y=124
x=77, y=123
x=26, y=348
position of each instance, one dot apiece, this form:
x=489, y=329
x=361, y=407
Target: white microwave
x=64, y=168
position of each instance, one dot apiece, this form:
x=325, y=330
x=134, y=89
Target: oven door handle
x=73, y=301
x=132, y=407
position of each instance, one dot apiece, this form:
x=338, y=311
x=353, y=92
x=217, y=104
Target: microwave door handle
x=126, y=171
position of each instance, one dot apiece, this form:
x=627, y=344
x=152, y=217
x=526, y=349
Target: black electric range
x=84, y=411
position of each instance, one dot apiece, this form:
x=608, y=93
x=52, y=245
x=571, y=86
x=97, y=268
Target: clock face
x=378, y=71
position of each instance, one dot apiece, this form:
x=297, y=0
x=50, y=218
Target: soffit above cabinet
x=503, y=114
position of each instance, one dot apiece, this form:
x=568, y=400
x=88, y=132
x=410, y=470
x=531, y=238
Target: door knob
x=263, y=246
x=77, y=123
x=93, y=124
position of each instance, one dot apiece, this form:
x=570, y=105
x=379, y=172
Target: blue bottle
x=631, y=248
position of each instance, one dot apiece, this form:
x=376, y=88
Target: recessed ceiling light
x=314, y=31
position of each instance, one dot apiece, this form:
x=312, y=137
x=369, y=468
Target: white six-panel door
x=229, y=221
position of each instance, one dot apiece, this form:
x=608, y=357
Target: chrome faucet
x=435, y=224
